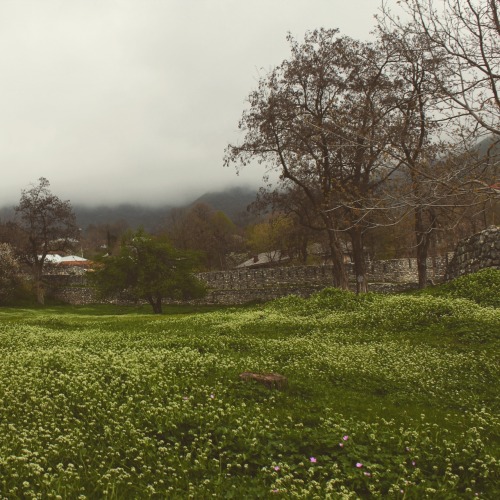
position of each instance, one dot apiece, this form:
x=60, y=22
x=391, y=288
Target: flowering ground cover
x=388, y=396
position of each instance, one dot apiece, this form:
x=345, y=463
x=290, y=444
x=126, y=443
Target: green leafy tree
x=280, y=232
x=150, y=269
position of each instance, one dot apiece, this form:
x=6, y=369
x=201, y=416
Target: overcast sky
x=135, y=100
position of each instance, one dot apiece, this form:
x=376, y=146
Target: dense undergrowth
x=388, y=396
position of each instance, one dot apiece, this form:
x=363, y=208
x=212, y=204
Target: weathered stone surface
x=270, y=380
x=475, y=253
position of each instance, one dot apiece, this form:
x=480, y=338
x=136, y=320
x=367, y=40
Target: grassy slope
x=97, y=402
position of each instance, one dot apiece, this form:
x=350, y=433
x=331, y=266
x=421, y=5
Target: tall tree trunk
x=158, y=308
x=40, y=292
x=39, y=286
x=302, y=251
x=359, y=260
x=155, y=303
x=423, y=234
x=340, y=278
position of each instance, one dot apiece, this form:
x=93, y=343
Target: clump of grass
x=482, y=287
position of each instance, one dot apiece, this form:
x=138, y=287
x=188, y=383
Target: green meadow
x=390, y=396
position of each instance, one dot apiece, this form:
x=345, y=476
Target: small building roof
x=74, y=261
x=72, y=258
x=66, y=261
x=263, y=259
x=52, y=258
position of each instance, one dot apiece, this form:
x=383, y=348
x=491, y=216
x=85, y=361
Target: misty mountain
x=134, y=216
x=490, y=146
x=233, y=202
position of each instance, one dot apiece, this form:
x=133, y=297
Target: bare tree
x=323, y=120
x=416, y=144
x=203, y=229
x=344, y=122
x=48, y=224
x=435, y=59
x=464, y=35
x=103, y=238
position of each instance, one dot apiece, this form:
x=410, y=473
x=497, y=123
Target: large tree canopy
x=148, y=268
x=447, y=57
x=323, y=120
x=356, y=130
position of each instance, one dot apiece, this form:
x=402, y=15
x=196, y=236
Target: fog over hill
x=233, y=202
x=133, y=215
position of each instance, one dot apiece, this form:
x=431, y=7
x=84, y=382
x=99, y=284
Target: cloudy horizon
x=134, y=101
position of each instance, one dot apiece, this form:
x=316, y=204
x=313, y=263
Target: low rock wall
x=243, y=286
x=476, y=252
x=240, y=286
x=401, y=271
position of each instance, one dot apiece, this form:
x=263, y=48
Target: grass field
x=388, y=396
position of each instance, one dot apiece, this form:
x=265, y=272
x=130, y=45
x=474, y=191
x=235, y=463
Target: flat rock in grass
x=270, y=380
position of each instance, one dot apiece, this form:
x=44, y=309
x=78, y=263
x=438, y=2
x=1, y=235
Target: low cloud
x=135, y=101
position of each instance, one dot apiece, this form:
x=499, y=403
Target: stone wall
x=243, y=286
x=401, y=271
x=71, y=288
x=405, y=270
x=476, y=252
